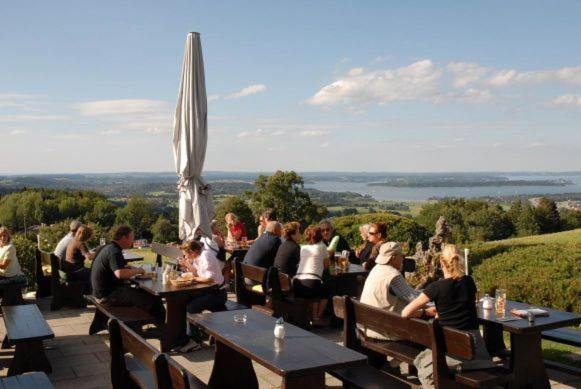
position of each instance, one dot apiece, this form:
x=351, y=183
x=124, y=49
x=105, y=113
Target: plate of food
x=184, y=279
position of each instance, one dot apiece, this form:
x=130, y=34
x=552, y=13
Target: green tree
x=239, y=206
x=164, y=231
x=139, y=215
x=102, y=212
x=548, y=215
x=570, y=219
x=284, y=192
x=526, y=223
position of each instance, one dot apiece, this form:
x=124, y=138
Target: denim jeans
x=213, y=300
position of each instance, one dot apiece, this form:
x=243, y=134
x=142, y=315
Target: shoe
x=192, y=345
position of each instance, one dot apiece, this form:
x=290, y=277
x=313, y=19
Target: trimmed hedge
x=399, y=229
x=26, y=254
x=543, y=274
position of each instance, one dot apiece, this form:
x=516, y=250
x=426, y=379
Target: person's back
x=311, y=265
x=454, y=299
x=61, y=248
x=288, y=257
x=103, y=279
x=263, y=251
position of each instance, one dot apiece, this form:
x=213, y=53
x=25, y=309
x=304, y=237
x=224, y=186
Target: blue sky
x=309, y=86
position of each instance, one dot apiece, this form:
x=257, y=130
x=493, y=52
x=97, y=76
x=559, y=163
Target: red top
x=238, y=230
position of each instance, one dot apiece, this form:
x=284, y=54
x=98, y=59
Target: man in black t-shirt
x=110, y=270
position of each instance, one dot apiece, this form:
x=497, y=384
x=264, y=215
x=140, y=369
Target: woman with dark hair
x=74, y=262
x=288, y=255
x=308, y=283
x=205, y=269
x=377, y=235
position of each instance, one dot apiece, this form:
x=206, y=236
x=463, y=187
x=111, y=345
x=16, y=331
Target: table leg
x=311, y=381
x=227, y=360
x=29, y=356
x=174, y=328
x=526, y=361
x=493, y=337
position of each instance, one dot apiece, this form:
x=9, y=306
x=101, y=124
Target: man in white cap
x=385, y=286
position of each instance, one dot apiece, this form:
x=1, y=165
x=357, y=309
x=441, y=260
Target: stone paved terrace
x=82, y=361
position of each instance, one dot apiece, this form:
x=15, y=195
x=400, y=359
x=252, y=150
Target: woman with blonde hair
x=10, y=270
x=364, y=250
x=236, y=230
x=454, y=297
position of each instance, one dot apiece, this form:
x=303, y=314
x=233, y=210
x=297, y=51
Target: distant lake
x=418, y=194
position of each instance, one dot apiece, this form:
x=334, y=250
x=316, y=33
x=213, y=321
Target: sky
x=302, y=85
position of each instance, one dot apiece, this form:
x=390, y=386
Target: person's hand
x=431, y=312
x=365, y=265
x=139, y=271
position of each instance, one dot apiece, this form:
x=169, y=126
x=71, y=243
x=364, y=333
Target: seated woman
x=385, y=287
x=288, y=255
x=206, y=270
x=364, y=251
x=376, y=235
x=74, y=262
x=10, y=271
x=454, y=297
x=308, y=282
x=236, y=230
x=334, y=241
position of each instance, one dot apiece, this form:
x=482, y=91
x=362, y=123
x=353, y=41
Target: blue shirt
x=263, y=251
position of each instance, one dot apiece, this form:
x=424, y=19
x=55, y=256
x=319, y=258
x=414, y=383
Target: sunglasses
x=373, y=232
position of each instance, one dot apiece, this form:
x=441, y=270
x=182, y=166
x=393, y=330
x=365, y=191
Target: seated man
x=61, y=248
x=385, y=287
x=263, y=250
x=110, y=270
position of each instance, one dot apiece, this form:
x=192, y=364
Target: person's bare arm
x=4, y=264
x=127, y=273
x=415, y=308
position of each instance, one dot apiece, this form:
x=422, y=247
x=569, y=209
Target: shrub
x=26, y=253
x=400, y=229
x=51, y=235
x=238, y=206
x=547, y=275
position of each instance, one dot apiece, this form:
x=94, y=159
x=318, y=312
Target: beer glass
x=500, y=303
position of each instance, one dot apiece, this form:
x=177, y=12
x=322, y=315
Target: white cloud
x=565, y=100
x=121, y=107
x=110, y=132
x=355, y=72
x=32, y=118
x=314, y=133
x=260, y=133
x=464, y=73
x=534, y=145
x=567, y=75
x=414, y=82
x=472, y=95
x=16, y=132
x=213, y=97
x=249, y=90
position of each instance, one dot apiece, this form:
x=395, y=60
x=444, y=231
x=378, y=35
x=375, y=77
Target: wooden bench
x=285, y=304
x=415, y=335
x=43, y=270
x=64, y=292
x=26, y=329
x=134, y=317
x=12, y=293
x=249, y=295
x=36, y=380
x=136, y=363
x=567, y=336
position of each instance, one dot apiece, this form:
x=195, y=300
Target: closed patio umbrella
x=190, y=137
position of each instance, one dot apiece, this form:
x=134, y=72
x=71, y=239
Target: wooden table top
x=353, y=269
x=25, y=323
x=556, y=318
x=157, y=288
x=301, y=352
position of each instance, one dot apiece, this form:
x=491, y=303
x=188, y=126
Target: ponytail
x=451, y=260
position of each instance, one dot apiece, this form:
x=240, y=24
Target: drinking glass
x=102, y=241
x=240, y=318
x=500, y=303
x=344, y=262
x=244, y=242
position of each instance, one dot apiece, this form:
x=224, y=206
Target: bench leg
x=12, y=296
x=227, y=359
x=58, y=298
x=29, y=356
x=6, y=344
x=99, y=322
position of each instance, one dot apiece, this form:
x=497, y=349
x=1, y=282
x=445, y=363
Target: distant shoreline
x=470, y=184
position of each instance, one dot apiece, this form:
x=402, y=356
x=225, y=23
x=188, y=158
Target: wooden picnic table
x=132, y=257
x=176, y=298
x=347, y=281
x=301, y=358
x=526, y=357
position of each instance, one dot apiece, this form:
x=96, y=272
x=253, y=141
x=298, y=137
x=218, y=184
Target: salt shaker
x=487, y=302
x=279, y=329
